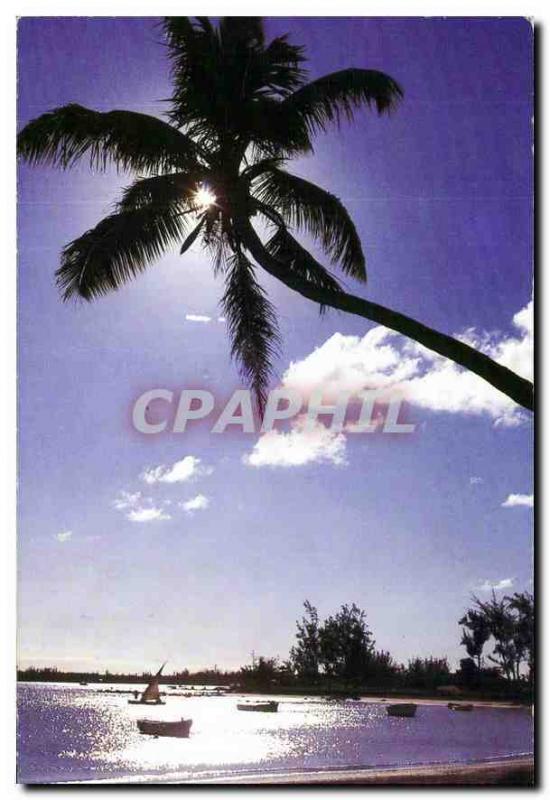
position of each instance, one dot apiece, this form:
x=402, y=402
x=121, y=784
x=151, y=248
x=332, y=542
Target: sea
x=73, y=733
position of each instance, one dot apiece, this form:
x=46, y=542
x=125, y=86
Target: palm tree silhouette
x=240, y=108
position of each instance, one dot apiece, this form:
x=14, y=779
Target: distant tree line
x=206, y=677
x=339, y=655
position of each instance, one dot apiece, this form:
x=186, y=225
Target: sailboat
x=151, y=695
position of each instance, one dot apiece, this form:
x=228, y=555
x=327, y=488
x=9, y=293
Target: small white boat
x=179, y=729
x=269, y=705
x=151, y=695
x=401, y=710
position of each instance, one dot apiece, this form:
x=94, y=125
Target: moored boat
x=178, y=729
x=401, y=710
x=460, y=706
x=151, y=695
x=269, y=705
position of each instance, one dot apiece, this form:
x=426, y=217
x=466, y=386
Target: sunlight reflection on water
x=77, y=733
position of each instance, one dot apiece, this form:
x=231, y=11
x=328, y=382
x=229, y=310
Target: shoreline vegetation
x=337, y=657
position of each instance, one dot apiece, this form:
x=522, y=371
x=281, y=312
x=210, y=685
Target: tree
x=427, y=673
x=381, y=668
x=305, y=655
x=262, y=673
x=345, y=644
x=522, y=604
x=475, y=634
x=240, y=108
x=510, y=623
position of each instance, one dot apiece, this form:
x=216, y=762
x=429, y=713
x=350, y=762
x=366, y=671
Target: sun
x=204, y=198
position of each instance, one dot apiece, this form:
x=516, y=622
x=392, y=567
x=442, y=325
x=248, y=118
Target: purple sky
x=441, y=193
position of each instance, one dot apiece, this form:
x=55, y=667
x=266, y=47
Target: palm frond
x=326, y=99
x=127, y=139
x=118, y=249
x=161, y=190
x=306, y=206
x=221, y=76
x=191, y=238
x=272, y=134
x=285, y=62
x=220, y=244
x=285, y=247
x=261, y=165
x=197, y=100
x=252, y=325
x=247, y=31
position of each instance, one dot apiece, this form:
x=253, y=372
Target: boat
x=151, y=695
x=460, y=706
x=269, y=705
x=83, y=683
x=401, y=710
x=178, y=729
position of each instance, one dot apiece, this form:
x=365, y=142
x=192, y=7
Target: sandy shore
x=512, y=772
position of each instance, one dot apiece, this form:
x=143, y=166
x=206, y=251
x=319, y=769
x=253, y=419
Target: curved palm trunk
x=517, y=388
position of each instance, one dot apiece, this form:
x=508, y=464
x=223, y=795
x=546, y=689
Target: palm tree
x=239, y=110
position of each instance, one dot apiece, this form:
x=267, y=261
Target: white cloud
x=197, y=318
x=198, y=503
x=126, y=500
x=139, y=509
x=402, y=368
x=475, y=480
x=189, y=467
x=147, y=514
x=298, y=447
x=64, y=536
x=383, y=359
x=221, y=319
x=505, y=583
x=514, y=500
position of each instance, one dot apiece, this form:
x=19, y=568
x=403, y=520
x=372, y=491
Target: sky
x=199, y=548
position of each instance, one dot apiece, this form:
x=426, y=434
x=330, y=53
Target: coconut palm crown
x=241, y=107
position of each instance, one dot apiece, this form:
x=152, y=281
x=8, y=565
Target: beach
x=512, y=772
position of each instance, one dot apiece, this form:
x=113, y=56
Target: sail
x=152, y=693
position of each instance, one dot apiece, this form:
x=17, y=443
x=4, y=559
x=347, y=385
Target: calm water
x=69, y=732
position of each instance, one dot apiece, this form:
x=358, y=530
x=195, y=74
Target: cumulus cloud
x=505, y=583
x=189, y=467
x=147, y=514
x=197, y=318
x=298, y=447
x=514, y=500
x=198, y=503
x=64, y=536
x=138, y=508
x=126, y=500
x=475, y=480
x=385, y=360
x=401, y=369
